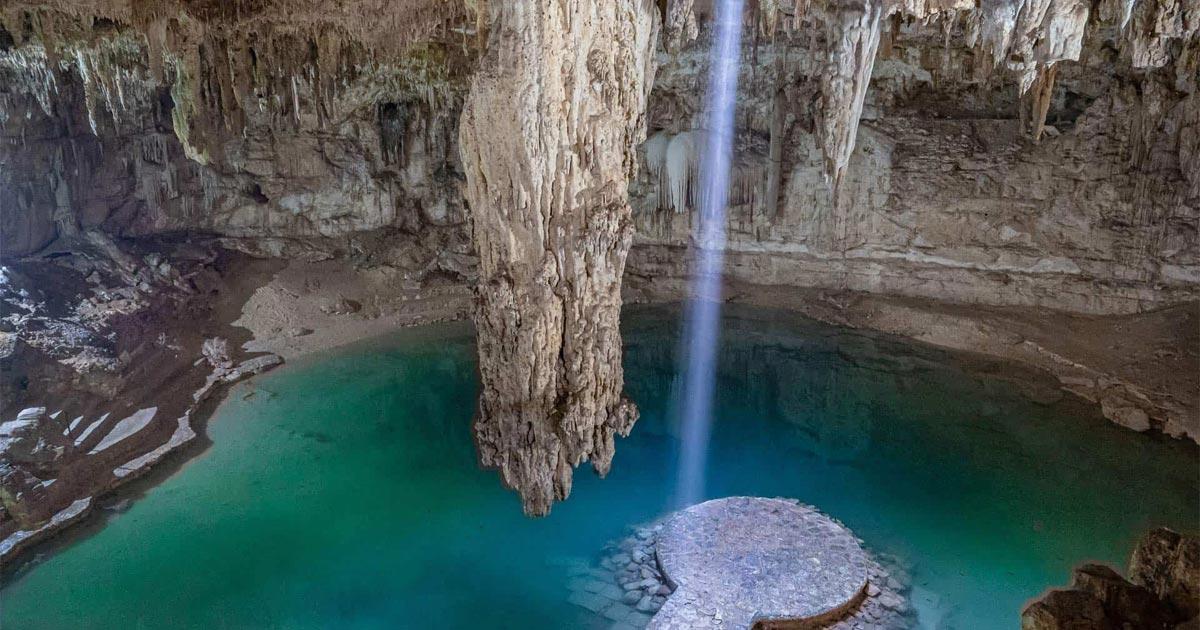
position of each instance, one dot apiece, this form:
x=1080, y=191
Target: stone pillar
x=547, y=137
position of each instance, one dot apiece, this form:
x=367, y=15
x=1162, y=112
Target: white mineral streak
x=68, y=515
x=90, y=428
x=547, y=138
x=125, y=428
x=681, y=162
x=182, y=435
x=36, y=73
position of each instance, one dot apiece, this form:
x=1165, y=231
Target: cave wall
x=286, y=134
x=1032, y=154
x=304, y=134
x=946, y=194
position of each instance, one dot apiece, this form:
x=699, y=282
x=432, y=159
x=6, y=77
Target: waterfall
x=701, y=334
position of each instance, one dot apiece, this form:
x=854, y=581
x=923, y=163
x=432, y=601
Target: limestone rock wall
x=987, y=166
x=287, y=127
x=547, y=138
x=947, y=192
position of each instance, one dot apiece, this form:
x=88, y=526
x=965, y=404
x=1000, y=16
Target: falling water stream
x=704, y=308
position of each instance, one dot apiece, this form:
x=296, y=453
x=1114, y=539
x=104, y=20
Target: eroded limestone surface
x=548, y=139
x=627, y=586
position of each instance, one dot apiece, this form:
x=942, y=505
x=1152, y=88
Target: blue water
x=342, y=491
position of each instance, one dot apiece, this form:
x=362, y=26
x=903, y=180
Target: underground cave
x=864, y=314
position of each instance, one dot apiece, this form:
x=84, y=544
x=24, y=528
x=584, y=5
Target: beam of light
x=704, y=306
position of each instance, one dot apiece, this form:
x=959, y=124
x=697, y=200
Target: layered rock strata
x=547, y=139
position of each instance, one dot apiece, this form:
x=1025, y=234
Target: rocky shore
x=1142, y=370
x=1160, y=591
x=112, y=357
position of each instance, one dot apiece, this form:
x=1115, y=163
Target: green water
x=344, y=492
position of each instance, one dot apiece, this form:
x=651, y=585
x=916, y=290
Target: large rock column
x=547, y=138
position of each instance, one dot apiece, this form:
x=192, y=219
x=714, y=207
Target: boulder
x=216, y=350
x=22, y=495
x=1123, y=601
x=1168, y=564
x=1066, y=610
x=341, y=306
x=1162, y=592
x=31, y=440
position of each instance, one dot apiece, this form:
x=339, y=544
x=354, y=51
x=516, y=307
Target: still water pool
x=344, y=492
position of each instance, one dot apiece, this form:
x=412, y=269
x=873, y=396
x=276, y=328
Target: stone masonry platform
x=741, y=561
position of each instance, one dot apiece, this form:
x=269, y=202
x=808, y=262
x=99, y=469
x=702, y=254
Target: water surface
x=342, y=491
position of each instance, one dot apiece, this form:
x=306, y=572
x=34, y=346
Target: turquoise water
x=342, y=491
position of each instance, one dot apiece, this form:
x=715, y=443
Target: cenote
x=343, y=490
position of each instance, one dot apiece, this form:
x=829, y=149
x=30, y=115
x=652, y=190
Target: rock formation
x=1040, y=156
x=1163, y=591
x=547, y=139
x=142, y=118
x=1029, y=39
x=946, y=190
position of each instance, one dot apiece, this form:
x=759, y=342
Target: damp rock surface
x=547, y=141
x=739, y=560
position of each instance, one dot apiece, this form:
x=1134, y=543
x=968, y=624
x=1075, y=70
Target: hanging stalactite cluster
x=1025, y=38
x=109, y=77
x=228, y=63
x=673, y=162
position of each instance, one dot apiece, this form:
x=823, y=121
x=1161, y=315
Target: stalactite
x=854, y=31
x=1035, y=104
x=656, y=164
x=547, y=135
x=184, y=111
x=682, y=161
x=775, y=153
x=673, y=163
x=33, y=65
x=1025, y=37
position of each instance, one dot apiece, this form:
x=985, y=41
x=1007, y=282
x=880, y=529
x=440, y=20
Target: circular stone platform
x=742, y=560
